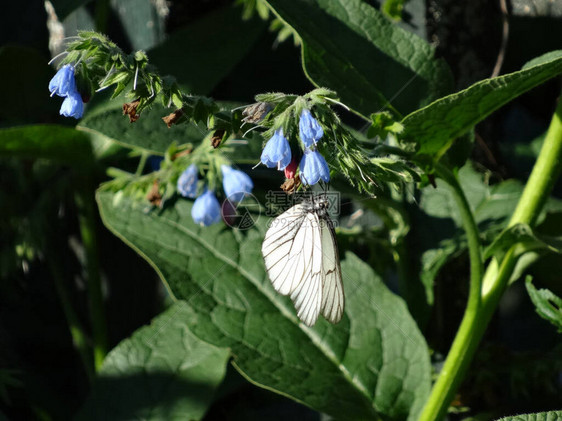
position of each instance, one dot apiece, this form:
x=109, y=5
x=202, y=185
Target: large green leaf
x=65, y=7
x=162, y=372
x=539, y=416
x=352, y=48
x=435, y=127
x=374, y=362
x=59, y=143
x=149, y=133
x=201, y=54
x=141, y=21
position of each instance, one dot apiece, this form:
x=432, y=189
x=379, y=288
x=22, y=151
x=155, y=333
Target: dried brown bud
x=291, y=184
x=173, y=118
x=154, y=195
x=185, y=152
x=217, y=138
x=256, y=112
x=130, y=109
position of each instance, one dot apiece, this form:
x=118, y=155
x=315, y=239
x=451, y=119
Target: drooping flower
x=314, y=168
x=63, y=82
x=206, y=209
x=236, y=184
x=291, y=169
x=187, y=182
x=72, y=106
x=256, y=112
x=309, y=129
x=277, y=152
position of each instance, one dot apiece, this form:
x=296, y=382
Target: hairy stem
x=462, y=348
x=495, y=280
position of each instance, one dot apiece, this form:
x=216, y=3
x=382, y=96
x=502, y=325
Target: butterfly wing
x=333, y=299
x=301, y=258
x=307, y=294
x=293, y=261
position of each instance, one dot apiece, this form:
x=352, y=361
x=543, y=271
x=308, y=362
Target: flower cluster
x=313, y=166
x=206, y=209
x=64, y=84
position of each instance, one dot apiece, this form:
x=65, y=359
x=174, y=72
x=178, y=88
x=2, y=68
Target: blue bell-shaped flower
x=63, y=82
x=72, y=106
x=309, y=129
x=206, y=209
x=187, y=182
x=277, y=152
x=314, y=168
x=236, y=183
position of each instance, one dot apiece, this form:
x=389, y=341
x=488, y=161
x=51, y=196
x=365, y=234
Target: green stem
x=495, y=280
x=142, y=163
x=462, y=348
x=79, y=338
x=86, y=217
x=472, y=235
x=544, y=174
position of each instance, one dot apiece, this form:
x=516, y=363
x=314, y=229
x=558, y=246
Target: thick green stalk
x=462, y=348
x=86, y=217
x=476, y=318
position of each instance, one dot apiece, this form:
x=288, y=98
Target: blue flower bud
x=187, y=182
x=72, y=106
x=206, y=209
x=314, y=168
x=63, y=81
x=236, y=184
x=309, y=129
x=277, y=152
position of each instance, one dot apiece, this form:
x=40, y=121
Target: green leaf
x=523, y=235
x=201, y=54
x=538, y=416
x=140, y=21
x=352, y=48
x=374, y=362
x=62, y=144
x=383, y=124
x=162, y=371
x=434, y=128
x=149, y=133
x=64, y=7
x=547, y=304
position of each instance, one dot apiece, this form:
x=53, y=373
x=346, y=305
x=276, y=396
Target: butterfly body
x=302, y=261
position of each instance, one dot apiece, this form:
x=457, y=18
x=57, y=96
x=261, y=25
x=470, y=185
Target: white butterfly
x=301, y=258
